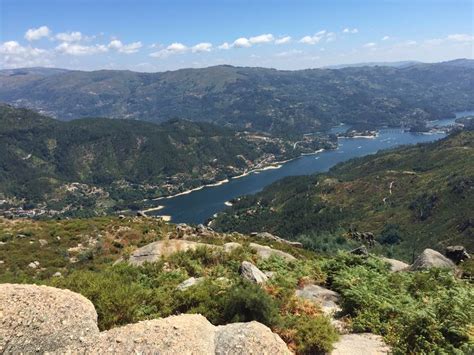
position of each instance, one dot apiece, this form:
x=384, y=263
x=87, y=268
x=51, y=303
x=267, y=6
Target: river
x=198, y=206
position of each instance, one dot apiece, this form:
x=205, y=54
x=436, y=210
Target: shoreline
x=271, y=166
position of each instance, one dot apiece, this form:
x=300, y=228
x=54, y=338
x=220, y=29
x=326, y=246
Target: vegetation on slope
x=119, y=161
x=411, y=198
x=251, y=98
x=418, y=312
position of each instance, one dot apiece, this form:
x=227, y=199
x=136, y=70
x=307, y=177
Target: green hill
x=98, y=163
x=251, y=98
x=411, y=198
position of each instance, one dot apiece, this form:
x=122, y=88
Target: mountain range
x=276, y=101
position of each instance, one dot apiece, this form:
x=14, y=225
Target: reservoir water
x=197, y=206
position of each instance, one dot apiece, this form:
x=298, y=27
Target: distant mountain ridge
x=262, y=99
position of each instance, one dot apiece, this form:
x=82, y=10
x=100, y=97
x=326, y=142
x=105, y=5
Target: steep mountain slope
x=254, y=98
x=411, y=198
x=128, y=159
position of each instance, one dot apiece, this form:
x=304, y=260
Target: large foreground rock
x=430, y=258
x=327, y=299
x=248, y=338
x=360, y=344
x=184, y=334
x=252, y=273
x=154, y=251
x=40, y=318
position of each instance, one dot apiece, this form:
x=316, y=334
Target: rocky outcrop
x=457, y=253
x=248, y=338
x=40, y=318
x=430, y=258
x=327, y=299
x=229, y=247
x=154, y=251
x=396, y=265
x=266, y=252
x=360, y=344
x=184, y=334
x=252, y=273
x=189, y=283
x=269, y=236
x=361, y=251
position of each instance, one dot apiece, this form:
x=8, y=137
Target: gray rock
x=252, y=273
x=154, y=251
x=430, y=258
x=189, y=283
x=43, y=242
x=269, y=236
x=183, y=334
x=457, y=253
x=265, y=252
x=327, y=299
x=360, y=344
x=45, y=318
x=248, y=338
x=228, y=247
x=396, y=265
x=34, y=264
x=361, y=251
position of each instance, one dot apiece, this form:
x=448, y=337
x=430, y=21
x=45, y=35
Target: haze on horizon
x=163, y=35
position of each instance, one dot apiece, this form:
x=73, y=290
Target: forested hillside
x=101, y=161
x=253, y=98
x=410, y=198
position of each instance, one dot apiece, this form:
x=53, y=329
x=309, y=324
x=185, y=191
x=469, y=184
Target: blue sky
x=165, y=35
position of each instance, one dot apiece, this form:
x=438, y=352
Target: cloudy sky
x=145, y=35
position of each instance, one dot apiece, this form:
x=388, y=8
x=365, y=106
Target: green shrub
x=311, y=335
x=418, y=313
x=246, y=302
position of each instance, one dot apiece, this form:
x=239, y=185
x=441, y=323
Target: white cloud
x=225, y=46
x=330, y=37
x=125, y=48
x=202, y=47
x=370, y=45
x=350, y=30
x=177, y=47
x=264, y=38
x=241, y=42
x=385, y=38
x=283, y=40
x=69, y=36
x=460, y=38
x=14, y=55
x=78, y=49
x=316, y=38
x=34, y=34
x=289, y=53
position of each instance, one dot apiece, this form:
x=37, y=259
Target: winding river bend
x=197, y=206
